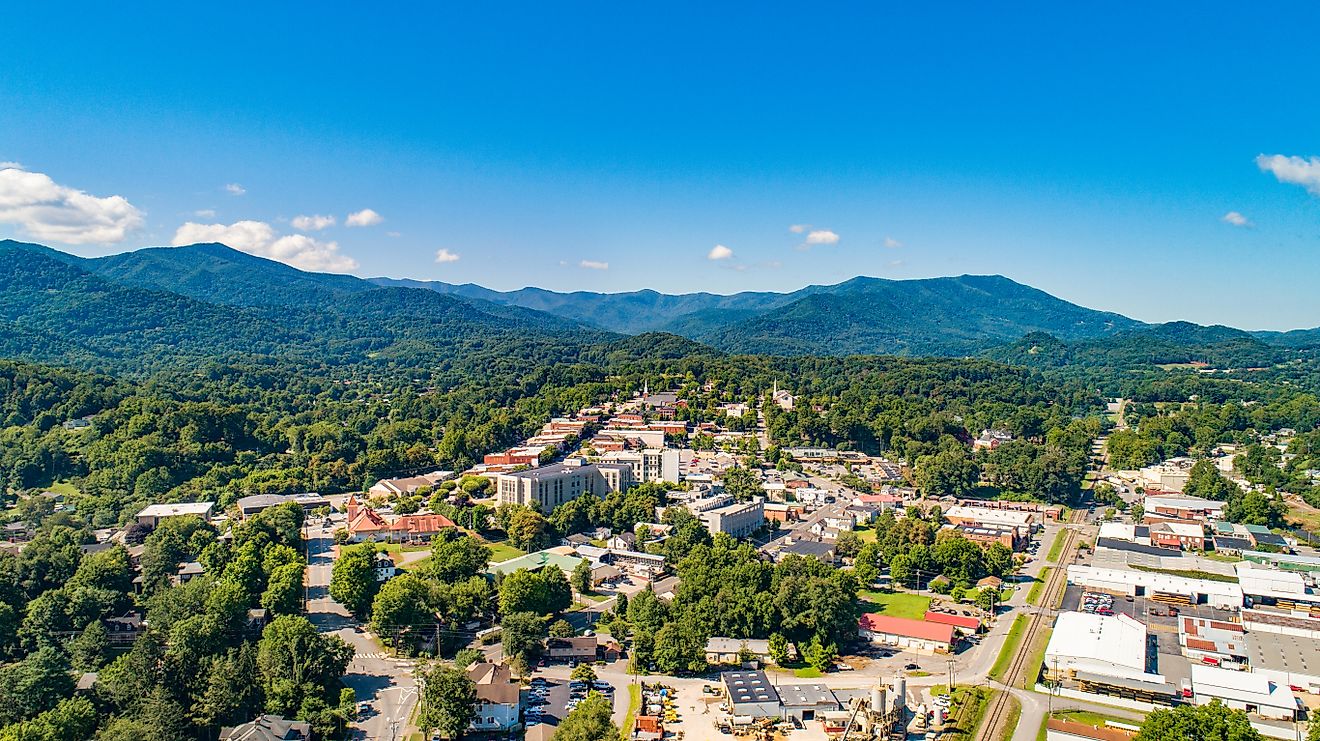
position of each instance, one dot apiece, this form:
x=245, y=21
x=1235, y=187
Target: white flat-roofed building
x=1103, y=645
x=651, y=464
x=1127, y=532
x=1148, y=583
x=1168, y=476
x=1286, y=659
x=1246, y=691
x=963, y=515
x=739, y=520
x=1274, y=587
x=1183, y=508
x=152, y=515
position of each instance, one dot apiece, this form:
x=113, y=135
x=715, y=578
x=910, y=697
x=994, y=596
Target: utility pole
x=950, y=663
x=1054, y=680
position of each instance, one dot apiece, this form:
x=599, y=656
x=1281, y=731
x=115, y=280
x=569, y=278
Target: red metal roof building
x=917, y=635
x=965, y=624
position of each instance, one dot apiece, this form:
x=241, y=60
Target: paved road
x=386, y=684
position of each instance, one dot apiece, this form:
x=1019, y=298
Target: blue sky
x=1091, y=151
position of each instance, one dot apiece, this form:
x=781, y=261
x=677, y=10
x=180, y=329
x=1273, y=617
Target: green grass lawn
x=1095, y=720
x=413, y=565
x=502, y=551
x=1056, y=548
x=1036, y=657
x=1038, y=586
x=896, y=604
x=634, y=705
x=1011, y=644
x=807, y=672
x=968, y=706
x=1188, y=573
x=62, y=487
x=867, y=534
x=593, y=597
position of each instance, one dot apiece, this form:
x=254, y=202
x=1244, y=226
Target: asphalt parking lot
x=549, y=700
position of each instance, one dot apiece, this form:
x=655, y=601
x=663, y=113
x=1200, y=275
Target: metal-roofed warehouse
x=751, y=694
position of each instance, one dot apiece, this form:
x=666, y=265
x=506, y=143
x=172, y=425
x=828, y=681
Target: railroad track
x=997, y=714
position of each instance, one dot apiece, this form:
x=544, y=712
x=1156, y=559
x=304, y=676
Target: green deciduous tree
x=1213, y=722
x=295, y=661
x=448, y=701
x=353, y=580
x=581, y=580
x=589, y=721
x=522, y=634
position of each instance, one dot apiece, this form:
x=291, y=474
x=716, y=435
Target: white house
x=497, y=698
x=385, y=568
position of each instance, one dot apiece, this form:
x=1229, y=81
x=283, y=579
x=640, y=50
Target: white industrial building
x=1286, y=659
x=1131, y=582
x=1246, y=691
x=1100, y=645
x=1266, y=586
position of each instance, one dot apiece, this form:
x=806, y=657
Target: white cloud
x=1295, y=170
x=258, y=238
x=799, y=228
x=1234, y=218
x=594, y=265
x=204, y=213
x=444, y=255
x=895, y=263
x=393, y=234
x=313, y=223
x=12, y=166
x=235, y=189
x=365, y=217
x=892, y=243
x=822, y=236
x=49, y=211
x=719, y=252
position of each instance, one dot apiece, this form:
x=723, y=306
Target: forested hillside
x=936, y=316
x=58, y=310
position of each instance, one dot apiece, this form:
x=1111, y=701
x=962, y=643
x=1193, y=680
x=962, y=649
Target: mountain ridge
x=275, y=306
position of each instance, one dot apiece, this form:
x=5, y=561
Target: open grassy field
x=1036, y=657
x=1056, y=549
x=62, y=487
x=1038, y=586
x=1010, y=648
x=967, y=711
x=895, y=604
x=502, y=551
x=1095, y=720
